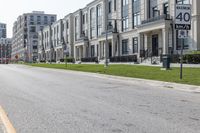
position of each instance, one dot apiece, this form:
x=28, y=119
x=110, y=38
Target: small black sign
x=183, y=26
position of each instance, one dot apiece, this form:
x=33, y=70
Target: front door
x=110, y=49
x=155, y=45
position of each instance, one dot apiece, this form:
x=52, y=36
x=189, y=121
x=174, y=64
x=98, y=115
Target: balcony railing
x=157, y=18
x=83, y=38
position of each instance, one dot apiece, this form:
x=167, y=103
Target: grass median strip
x=190, y=75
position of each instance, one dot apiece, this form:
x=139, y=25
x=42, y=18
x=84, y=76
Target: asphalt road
x=40, y=100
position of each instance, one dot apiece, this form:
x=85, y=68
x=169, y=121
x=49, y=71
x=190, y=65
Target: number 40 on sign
x=183, y=17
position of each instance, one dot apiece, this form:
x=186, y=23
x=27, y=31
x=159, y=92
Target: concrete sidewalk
x=136, y=81
x=160, y=65
x=160, y=84
x=146, y=64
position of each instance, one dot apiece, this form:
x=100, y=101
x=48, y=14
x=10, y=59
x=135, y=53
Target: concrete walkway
x=146, y=64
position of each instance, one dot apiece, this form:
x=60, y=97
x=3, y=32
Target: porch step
x=151, y=60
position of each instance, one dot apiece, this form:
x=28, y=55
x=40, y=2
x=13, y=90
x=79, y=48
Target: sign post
x=182, y=24
x=182, y=34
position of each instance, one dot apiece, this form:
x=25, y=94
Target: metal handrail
x=146, y=54
x=160, y=17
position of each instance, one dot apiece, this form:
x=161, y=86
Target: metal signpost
x=182, y=24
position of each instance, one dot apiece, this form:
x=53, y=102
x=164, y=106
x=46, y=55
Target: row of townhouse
x=128, y=27
x=55, y=39
x=25, y=34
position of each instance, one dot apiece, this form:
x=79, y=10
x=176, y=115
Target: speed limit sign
x=183, y=17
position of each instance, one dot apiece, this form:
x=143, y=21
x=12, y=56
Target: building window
x=125, y=47
x=92, y=51
x=155, y=11
x=45, y=20
x=92, y=23
x=83, y=19
x=83, y=25
x=32, y=29
x=125, y=15
x=135, y=45
x=183, y=1
x=52, y=19
x=57, y=29
x=99, y=20
x=41, y=27
x=115, y=5
x=166, y=8
x=136, y=13
x=54, y=30
x=34, y=47
x=38, y=20
x=31, y=18
x=31, y=23
x=110, y=6
x=86, y=17
x=76, y=28
x=67, y=24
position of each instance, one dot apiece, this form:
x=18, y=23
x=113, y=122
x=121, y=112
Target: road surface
x=39, y=100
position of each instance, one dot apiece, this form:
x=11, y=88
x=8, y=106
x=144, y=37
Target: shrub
x=89, y=59
x=188, y=58
x=62, y=60
x=42, y=61
x=130, y=58
x=69, y=59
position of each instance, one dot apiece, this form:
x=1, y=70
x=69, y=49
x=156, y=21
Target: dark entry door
x=155, y=45
x=110, y=49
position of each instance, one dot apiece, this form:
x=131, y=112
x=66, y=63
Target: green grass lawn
x=190, y=75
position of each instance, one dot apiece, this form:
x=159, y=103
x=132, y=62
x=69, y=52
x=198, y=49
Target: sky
x=11, y=9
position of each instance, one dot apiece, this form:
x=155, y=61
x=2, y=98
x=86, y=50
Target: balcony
x=83, y=38
x=157, y=18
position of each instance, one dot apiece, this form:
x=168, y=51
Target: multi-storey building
x=25, y=34
x=56, y=41
x=142, y=28
x=68, y=35
x=5, y=50
x=3, y=30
